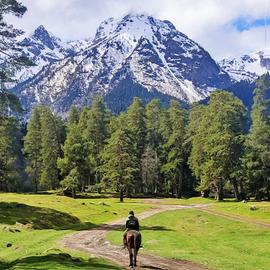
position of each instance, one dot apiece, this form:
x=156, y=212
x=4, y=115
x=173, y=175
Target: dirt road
x=94, y=242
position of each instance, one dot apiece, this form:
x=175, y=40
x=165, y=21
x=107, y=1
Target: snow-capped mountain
x=136, y=52
x=44, y=48
x=247, y=67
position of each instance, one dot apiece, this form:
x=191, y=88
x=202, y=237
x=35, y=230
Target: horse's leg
x=135, y=257
x=135, y=250
x=130, y=257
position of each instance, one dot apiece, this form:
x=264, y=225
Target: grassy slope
x=33, y=224
x=214, y=241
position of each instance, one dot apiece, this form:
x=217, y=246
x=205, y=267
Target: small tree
x=71, y=182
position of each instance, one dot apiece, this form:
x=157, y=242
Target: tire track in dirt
x=94, y=242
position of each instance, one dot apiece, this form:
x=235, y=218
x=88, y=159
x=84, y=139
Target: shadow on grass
x=151, y=267
x=108, y=227
x=56, y=261
x=39, y=218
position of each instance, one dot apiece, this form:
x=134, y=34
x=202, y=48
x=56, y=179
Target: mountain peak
x=41, y=28
x=40, y=31
x=42, y=35
x=148, y=19
x=140, y=25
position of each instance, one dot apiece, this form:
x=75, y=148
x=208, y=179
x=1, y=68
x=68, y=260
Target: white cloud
x=208, y=22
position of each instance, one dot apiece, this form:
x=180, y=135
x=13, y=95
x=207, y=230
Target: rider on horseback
x=132, y=223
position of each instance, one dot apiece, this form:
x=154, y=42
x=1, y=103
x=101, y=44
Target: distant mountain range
x=137, y=55
x=247, y=67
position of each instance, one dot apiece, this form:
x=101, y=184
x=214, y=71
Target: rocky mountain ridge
x=136, y=55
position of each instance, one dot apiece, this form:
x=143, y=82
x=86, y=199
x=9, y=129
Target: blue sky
x=244, y=24
x=223, y=27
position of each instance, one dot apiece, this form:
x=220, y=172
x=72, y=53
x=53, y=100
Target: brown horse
x=133, y=240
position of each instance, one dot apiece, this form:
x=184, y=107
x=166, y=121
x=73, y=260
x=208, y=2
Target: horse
x=133, y=240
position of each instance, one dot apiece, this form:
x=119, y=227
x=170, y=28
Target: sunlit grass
x=31, y=225
x=216, y=242
x=261, y=214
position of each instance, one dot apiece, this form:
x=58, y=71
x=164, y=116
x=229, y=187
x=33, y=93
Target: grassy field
x=262, y=214
x=30, y=226
x=230, y=207
x=216, y=242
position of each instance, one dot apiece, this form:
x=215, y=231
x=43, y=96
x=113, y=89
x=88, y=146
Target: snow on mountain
x=139, y=48
x=43, y=48
x=247, y=67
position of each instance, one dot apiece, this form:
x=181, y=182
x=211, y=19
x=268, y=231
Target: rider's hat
x=131, y=213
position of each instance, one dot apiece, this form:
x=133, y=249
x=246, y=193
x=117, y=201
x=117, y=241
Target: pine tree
x=83, y=119
x=50, y=149
x=73, y=116
x=32, y=147
x=136, y=127
x=10, y=153
x=150, y=170
x=174, y=167
x=195, y=140
x=76, y=157
x=257, y=157
x=96, y=122
x=117, y=122
x=119, y=165
x=153, y=121
x=217, y=142
x=11, y=55
x=97, y=125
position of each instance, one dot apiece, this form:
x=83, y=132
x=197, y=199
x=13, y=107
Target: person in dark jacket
x=132, y=223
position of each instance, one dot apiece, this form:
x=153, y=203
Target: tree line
x=215, y=149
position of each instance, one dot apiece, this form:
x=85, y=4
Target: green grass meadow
x=216, y=242
x=31, y=225
x=262, y=214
